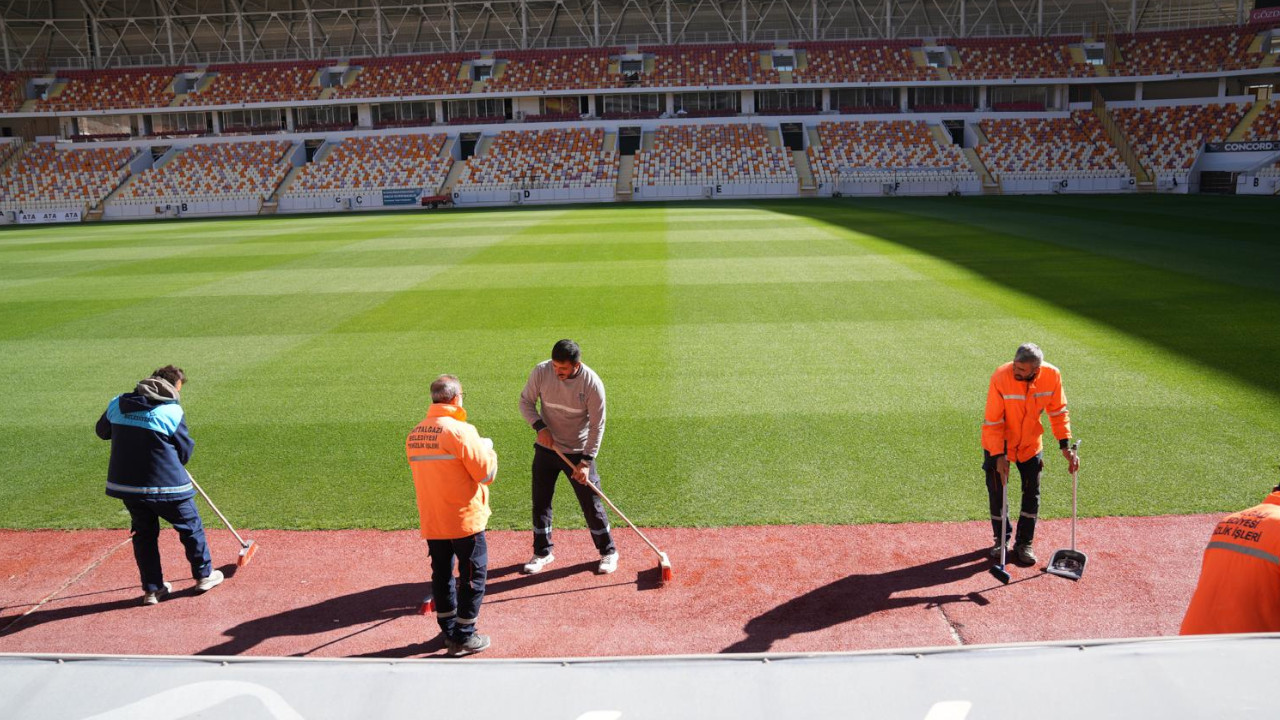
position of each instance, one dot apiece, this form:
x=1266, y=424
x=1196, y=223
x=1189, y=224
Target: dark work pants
x=185, y=518
x=1030, y=473
x=547, y=467
x=456, y=612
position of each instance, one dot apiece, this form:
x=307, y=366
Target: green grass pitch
x=766, y=362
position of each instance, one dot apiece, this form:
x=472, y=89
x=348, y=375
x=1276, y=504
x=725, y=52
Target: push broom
x=247, y=547
x=664, y=563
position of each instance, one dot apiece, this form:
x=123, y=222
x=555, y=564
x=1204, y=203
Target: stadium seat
x=12, y=86
x=1005, y=58
x=555, y=158
x=408, y=75
x=713, y=154
x=1187, y=51
x=45, y=174
x=555, y=70
x=112, y=89
x=703, y=65
x=375, y=163
x=850, y=61
x=1267, y=125
x=1075, y=146
x=259, y=82
x=1168, y=138
x=215, y=171
x=873, y=148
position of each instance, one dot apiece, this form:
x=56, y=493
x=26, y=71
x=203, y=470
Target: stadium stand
x=375, y=163
x=406, y=76
x=843, y=61
x=1075, y=146
x=215, y=171
x=1168, y=138
x=46, y=176
x=555, y=158
x=1267, y=125
x=112, y=89
x=876, y=147
x=1188, y=51
x=703, y=65
x=12, y=91
x=713, y=154
x=1004, y=58
x=555, y=70
x=259, y=83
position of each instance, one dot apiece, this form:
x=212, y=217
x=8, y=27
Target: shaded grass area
x=786, y=362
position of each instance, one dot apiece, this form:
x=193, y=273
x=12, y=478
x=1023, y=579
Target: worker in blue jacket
x=150, y=446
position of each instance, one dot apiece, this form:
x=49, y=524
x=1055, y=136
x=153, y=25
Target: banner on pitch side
x=401, y=196
x=38, y=217
x=1243, y=146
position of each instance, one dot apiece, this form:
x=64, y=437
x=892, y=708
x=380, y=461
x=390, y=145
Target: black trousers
x=547, y=468
x=458, y=603
x=1030, y=472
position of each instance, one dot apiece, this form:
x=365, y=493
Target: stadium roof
x=108, y=33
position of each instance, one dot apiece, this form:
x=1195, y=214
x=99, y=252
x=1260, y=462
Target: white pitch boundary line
x=67, y=584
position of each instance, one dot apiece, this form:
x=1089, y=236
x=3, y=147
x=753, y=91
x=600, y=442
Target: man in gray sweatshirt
x=571, y=418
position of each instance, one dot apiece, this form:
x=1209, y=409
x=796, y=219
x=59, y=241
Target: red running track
x=748, y=589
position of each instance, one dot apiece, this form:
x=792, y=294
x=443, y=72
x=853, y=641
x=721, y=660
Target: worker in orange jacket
x=1011, y=430
x=1239, y=587
x=452, y=469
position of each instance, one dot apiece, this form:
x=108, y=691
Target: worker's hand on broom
x=1073, y=459
x=1002, y=469
x=544, y=439
x=580, y=472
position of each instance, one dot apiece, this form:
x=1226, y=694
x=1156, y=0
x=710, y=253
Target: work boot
x=608, y=563
x=472, y=645
x=1024, y=555
x=209, y=582
x=994, y=552
x=152, y=598
x=537, y=564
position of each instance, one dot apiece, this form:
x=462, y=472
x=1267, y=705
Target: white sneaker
x=608, y=563
x=152, y=598
x=537, y=563
x=205, y=584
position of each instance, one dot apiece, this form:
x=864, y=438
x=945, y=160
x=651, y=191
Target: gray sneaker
x=1024, y=555
x=474, y=644
x=153, y=598
x=213, y=580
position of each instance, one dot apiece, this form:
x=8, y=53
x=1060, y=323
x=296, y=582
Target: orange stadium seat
x=49, y=175
x=374, y=163
x=112, y=89
x=12, y=86
x=1198, y=50
x=259, y=82
x=1003, y=58
x=848, y=61
x=215, y=171
x=1072, y=146
x=1167, y=139
x=555, y=70
x=877, y=147
x=713, y=154
x=1267, y=125
x=408, y=75
x=701, y=65
x=555, y=158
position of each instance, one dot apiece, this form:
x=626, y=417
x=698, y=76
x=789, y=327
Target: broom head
x=664, y=565
x=246, y=553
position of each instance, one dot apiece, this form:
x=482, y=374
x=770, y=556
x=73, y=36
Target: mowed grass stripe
x=798, y=392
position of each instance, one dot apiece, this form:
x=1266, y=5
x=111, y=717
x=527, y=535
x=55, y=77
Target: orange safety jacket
x=1239, y=587
x=452, y=469
x=1011, y=425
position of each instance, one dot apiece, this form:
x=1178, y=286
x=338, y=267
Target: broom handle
x=224, y=519
x=604, y=497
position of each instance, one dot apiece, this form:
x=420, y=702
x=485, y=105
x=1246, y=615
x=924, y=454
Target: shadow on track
x=858, y=596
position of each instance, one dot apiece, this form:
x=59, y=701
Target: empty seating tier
x=375, y=163
x=407, y=76
x=258, y=83
x=713, y=154
x=1187, y=51
x=1064, y=147
x=825, y=62
x=215, y=171
x=49, y=175
x=1004, y=58
x=557, y=158
x=555, y=70
x=876, y=147
x=702, y=65
x=1167, y=139
x=111, y=89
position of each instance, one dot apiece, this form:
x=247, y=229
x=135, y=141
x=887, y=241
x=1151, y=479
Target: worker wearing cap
x=570, y=418
x=452, y=469
x=1019, y=392
x=1239, y=586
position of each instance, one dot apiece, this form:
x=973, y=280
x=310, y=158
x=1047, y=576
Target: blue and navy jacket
x=149, y=447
